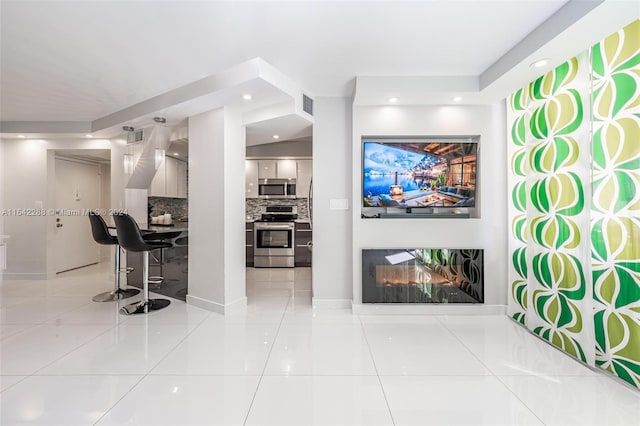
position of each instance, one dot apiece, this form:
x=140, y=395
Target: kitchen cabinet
x=301, y=170
x=303, y=239
x=170, y=179
x=171, y=173
x=280, y=169
x=249, y=243
x=286, y=169
x=251, y=178
x=267, y=169
x=305, y=172
x=183, y=179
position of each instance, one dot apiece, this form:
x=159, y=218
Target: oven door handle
x=276, y=226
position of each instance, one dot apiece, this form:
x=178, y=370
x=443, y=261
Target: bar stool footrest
x=143, y=307
x=119, y=294
x=156, y=282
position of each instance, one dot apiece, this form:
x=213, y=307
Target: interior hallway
x=68, y=360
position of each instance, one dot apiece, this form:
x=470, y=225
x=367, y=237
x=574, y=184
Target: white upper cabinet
x=251, y=178
x=286, y=169
x=305, y=172
x=172, y=176
x=183, y=173
x=170, y=179
x=267, y=169
x=301, y=170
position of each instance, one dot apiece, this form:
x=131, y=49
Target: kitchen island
x=175, y=261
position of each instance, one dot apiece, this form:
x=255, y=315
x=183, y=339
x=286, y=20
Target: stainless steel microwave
x=277, y=188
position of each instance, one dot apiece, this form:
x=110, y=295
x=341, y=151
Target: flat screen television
x=419, y=173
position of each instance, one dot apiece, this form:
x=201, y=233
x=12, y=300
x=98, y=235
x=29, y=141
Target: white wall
x=3, y=247
x=105, y=203
x=26, y=167
x=488, y=232
x=216, y=210
x=332, y=229
x=118, y=176
x=234, y=208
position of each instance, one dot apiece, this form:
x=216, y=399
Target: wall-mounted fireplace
x=423, y=275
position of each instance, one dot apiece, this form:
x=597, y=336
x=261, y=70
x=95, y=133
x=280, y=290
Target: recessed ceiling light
x=246, y=96
x=276, y=136
x=457, y=99
x=88, y=135
x=21, y=136
x=393, y=99
x=175, y=153
x=540, y=63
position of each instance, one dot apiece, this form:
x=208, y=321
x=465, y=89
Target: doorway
x=267, y=163
x=82, y=183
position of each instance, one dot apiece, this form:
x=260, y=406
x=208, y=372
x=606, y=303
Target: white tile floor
x=66, y=360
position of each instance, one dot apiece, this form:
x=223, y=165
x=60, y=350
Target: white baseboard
x=427, y=309
x=215, y=306
x=24, y=276
x=330, y=303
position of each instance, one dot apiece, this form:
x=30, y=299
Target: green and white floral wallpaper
x=574, y=149
x=615, y=208
x=552, y=157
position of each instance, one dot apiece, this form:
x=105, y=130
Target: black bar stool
x=102, y=236
x=164, y=237
x=131, y=239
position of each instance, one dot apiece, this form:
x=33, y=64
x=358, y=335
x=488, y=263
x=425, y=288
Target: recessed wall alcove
x=423, y=275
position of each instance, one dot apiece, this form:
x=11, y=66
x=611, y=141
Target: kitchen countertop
x=160, y=229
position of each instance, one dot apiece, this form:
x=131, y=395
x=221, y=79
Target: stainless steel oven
x=277, y=188
x=273, y=244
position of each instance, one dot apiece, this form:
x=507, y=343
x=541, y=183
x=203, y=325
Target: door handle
x=58, y=225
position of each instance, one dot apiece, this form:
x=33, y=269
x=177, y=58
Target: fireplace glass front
x=423, y=275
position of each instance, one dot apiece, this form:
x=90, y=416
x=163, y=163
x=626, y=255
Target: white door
x=77, y=192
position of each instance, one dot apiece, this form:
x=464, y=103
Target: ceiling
x=79, y=61
x=95, y=64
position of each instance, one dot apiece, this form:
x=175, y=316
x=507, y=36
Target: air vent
x=307, y=104
x=135, y=136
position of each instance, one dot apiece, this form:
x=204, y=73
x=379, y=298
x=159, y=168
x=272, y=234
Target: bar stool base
x=111, y=296
x=143, y=307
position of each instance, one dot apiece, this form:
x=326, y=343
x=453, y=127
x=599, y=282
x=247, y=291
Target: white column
x=216, y=210
x=332, y=227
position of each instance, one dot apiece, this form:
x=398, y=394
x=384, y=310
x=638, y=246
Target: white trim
x=236, y=305
x=427, y=309
x=216, y=307
x=330, y=303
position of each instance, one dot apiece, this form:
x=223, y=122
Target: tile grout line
x=491, y=371
x=35, y=373
x=74, y=349
x=384, y=394
x=151, y=369
x=47, y=323
x=275, y=337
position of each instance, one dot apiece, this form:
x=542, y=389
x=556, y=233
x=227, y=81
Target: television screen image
x=421, y=173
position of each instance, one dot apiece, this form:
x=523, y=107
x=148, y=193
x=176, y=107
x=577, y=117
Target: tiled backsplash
x=177, y=207
x=254, y=204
